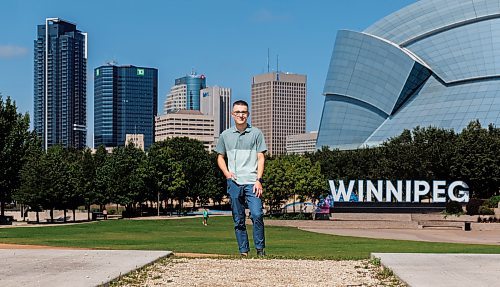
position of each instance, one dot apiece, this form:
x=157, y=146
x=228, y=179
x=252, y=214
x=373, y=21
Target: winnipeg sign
x=399, y=190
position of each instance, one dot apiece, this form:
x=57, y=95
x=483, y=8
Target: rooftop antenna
x=268, y=60
x=277, y=63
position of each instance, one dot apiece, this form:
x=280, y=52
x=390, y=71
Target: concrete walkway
x=58, y=267
x=443, y=270
x=490, y=237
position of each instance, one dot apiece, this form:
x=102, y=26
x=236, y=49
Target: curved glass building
x=433, y=63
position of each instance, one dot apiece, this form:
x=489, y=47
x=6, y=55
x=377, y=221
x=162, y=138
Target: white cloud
x=11, y=51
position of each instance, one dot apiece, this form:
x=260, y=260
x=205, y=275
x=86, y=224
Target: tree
x=31, y=191
x=218, y=187
x=288, y=176
x=122, y=176
x=164, y=174
x=58, y=183
x=14, y=141
x=196, y=165
x=79, y=181
x=101, y=194
x=477, y=160
x=87, y=183
x=311, y=182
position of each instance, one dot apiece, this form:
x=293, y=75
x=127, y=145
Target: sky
x=225, y=40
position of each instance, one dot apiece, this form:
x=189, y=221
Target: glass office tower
x=125, y=102
x=432, y=63
x=60, y=65
x=185, y=94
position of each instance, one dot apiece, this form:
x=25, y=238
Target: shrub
x=473, y=206
x=453, y=207
x=484, y=210
x=492, y=202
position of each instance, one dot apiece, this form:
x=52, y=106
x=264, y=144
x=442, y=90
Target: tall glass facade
x=60, y=81
x=194, y=83
x=433, y=63
x=125, y=102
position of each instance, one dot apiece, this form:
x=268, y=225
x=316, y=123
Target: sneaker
x=244, y=254
x=261, y=252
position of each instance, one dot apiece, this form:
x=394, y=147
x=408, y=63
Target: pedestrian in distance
x=244, y=148
x=205, y=216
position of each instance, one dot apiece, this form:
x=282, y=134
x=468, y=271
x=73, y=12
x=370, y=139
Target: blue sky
x=226, y=40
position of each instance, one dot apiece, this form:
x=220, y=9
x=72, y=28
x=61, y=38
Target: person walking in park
x=205, y=217
x=244, y=147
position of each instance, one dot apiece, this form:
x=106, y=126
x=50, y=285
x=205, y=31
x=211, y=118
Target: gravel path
x=258, y=272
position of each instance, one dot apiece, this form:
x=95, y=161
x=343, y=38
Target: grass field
x=189, y=235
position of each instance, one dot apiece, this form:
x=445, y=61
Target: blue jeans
x=242, y=196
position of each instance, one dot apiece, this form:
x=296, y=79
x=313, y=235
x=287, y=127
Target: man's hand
x=230, y=175
x=257, y=188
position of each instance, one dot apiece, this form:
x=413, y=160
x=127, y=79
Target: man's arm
x=257, y=187
x=260, y=164
x=221, y=162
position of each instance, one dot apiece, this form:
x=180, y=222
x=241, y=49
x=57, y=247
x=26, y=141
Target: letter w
x=337, y=193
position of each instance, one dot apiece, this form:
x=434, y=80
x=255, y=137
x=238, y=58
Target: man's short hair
x=240, y=103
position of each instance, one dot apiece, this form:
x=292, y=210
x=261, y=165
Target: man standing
x=244, y=147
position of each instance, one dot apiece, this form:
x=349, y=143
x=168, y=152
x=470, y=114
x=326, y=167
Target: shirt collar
x=247, y=130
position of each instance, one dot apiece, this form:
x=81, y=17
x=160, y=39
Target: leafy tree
x=311, y=183
x=121, y=174
x=218, y=187
x=276, y=189
x=102, y=195
x=423, y=153
x=195, y=163
x=31, y=191
x=79, y=181
x=14, y=141
x=292, y=175
x=400, y=159
x=477, y=160
x=58, y=183
x=164, y=173
x=87, y=182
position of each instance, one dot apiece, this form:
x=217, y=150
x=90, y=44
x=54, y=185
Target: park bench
x=59, y=219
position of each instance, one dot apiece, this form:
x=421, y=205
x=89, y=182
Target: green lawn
x=189, y=235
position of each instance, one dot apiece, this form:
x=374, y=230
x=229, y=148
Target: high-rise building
x=216, y=102
x=185, y=94
x=186, y=123
x=136, y=139
x=301, y=143
x=278, y=107
x=125, y=102
x=60, y=81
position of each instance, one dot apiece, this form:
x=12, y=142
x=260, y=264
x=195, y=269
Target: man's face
x=240, y=114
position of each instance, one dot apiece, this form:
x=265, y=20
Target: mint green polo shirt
x=241, y=150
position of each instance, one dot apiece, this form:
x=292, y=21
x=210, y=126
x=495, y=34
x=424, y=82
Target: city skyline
x=228, y=41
